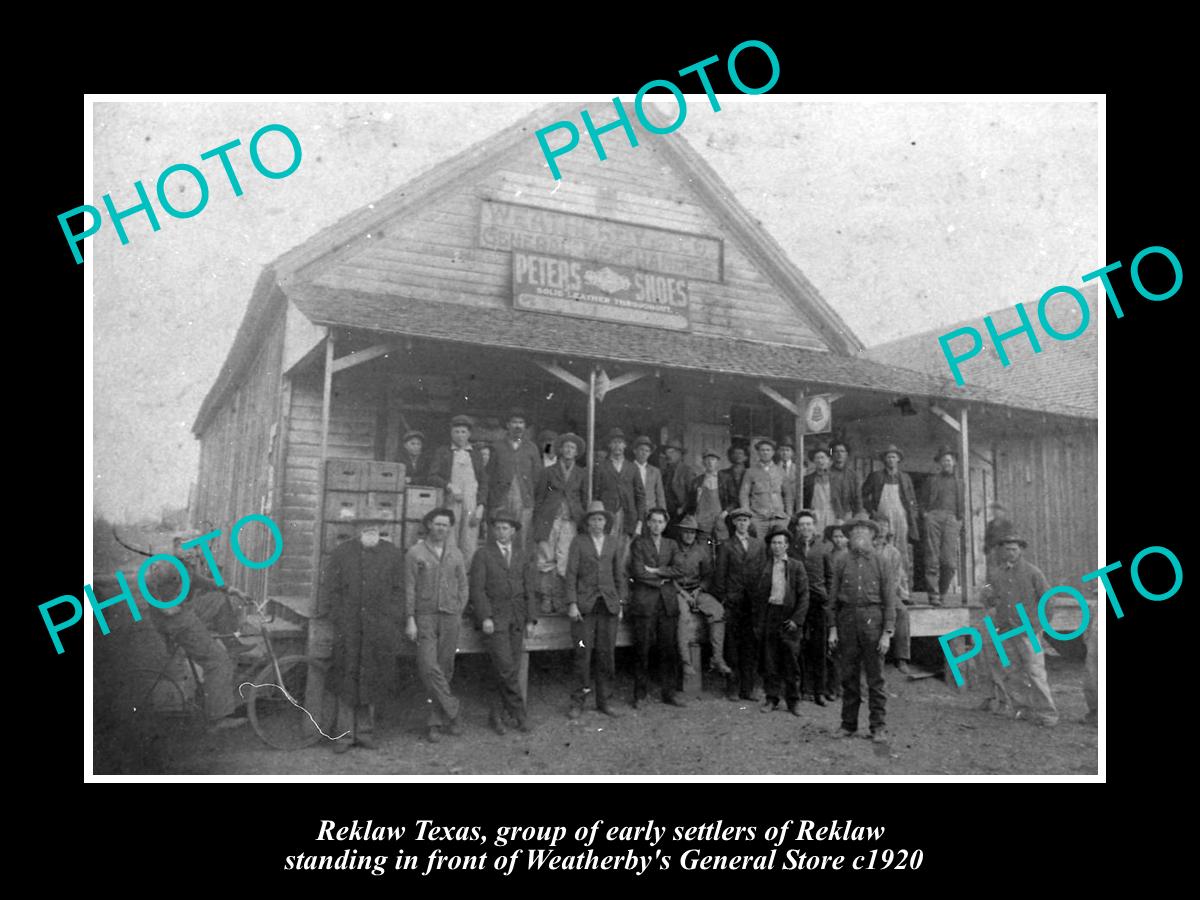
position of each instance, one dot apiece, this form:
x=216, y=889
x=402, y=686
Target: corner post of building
x=800, y=445
x=968, y=569
x=591, y=434
x=316, y=639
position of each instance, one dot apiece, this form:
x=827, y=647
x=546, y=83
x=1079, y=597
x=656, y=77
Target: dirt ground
x=934, y=730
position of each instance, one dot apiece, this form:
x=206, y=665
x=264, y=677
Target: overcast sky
x=904, y=216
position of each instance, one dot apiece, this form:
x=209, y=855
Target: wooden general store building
x=485, y=284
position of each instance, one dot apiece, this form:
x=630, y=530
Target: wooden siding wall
x=1049, y=483
x=436, y=255
x=352, y=421
x=236, y=471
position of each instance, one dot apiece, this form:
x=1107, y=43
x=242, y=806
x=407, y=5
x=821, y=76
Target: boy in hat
x=502, y=593
x=889, y=492
x=818, y=488
x=362, y=594
x=781, y=595
x=944, y=508
x=1022, y=684
x=596, y=588
x=740, y=560
x=416, y=462
x=458, y=470
x=765, y=492
x=560, y=495
x=864, y=619
x=693, y=587
x=513, y=473
x=704, y=500
x=436, y=593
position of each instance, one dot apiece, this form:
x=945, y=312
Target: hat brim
x=515, y=523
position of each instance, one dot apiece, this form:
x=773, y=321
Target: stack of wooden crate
x=374, y=491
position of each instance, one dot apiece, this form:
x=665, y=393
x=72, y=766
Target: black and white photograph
x=507, y=437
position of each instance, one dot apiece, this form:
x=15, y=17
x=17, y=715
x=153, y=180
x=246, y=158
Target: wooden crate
x=384, y=476
x=420, y=500
x=336, y=501
x=346, y=474
x=382, y=506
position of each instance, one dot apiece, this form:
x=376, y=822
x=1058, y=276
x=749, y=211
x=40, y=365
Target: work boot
x=674, y=700
x=902, y=667
x=935, y=600
x=455, y=726
x=523, y=725
x=717, y=638
x=842, y=732
x=434, y=735
x=608, y=710
x=688, y=669
x=769, y=705
x=576, y=710
x=366, y=742
x=341, y=745
x=497, y=724
x=794, y=708
x=819, y=700
x=879, y=735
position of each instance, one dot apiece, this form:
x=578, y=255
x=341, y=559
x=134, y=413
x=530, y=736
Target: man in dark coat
x=559, y=496
x=730, y=480
x=740, y=560
x=416, y=461
x=864, y=609
x=596, y=588
x=677, y=480
x=781, y=605
x=362, y=594
x=654, y=608
x=807, y=548
x=502, y=591
x=618, y=486
x=512, y=473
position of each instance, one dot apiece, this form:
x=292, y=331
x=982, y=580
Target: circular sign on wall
x=817, y=415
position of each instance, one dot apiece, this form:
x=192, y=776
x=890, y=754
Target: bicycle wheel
x=294, y=711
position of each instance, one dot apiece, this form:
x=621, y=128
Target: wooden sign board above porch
x=574, y=287
x=512, y=226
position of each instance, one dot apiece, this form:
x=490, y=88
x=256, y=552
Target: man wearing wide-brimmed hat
x=513, y=473
x=1021, y=686
x=944, y=508
x=889, y=492
x=596, y=588
x=739, y=562
x=559, y=497
x=458, y=470
x=436, y=593
x=807, y=548
x=696, y=564
x=619, y=487
x=818, y=488
x=864, y=619
x=781, y=600
x=502, y=593
x=765, y=492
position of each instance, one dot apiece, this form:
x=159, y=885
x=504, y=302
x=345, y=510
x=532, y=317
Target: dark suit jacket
x=507, y=464
x=730, y=488
x=844, y=492
x=677, y=482
x=872, y=490
x=621, y=491
x=551, y=488
x=816, y=566
x=738, y=569
x=590, y=575
x=647, y=587
x=502, y=593
x=416, y=472
x=795, y=592
x=442, y=465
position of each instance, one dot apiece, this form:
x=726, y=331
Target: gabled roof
x=304, y=262
x=1065, y=373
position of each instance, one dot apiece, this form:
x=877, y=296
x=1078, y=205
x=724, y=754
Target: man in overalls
x=889, y=493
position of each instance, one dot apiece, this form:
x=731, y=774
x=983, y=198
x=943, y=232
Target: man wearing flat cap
x=458, y=470
x=765, y=492
x=513, y=473
x=502, y=593
x=1021, y=687
x=559, y=497
x=740, y=560
x=889, y=492
x=436, y=593
x=943, y=509
x=864, y=619
x=705, y=502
